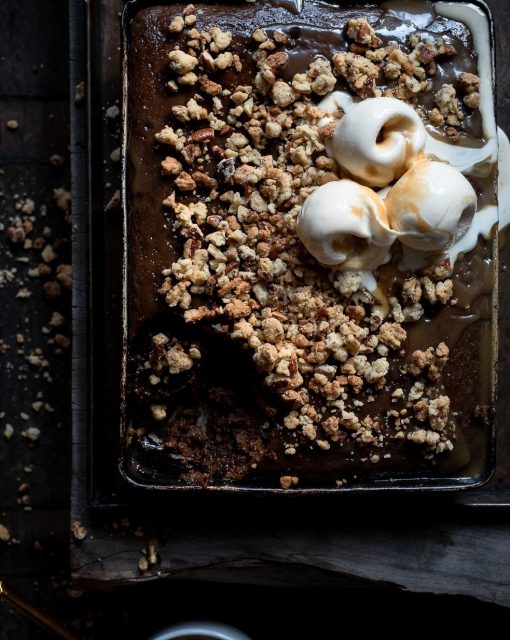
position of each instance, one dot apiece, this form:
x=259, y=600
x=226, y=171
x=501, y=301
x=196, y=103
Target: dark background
x=35, y=476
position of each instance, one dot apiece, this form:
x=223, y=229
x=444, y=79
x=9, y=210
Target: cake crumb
x=78, y=530
x=286, y=482
x=8, y=431
x=79, y=92
x=5, y=534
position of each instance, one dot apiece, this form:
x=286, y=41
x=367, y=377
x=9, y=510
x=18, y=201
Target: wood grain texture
x=33, y=90
x=437, y=558
x=34, y=33
x=33, y=51
x=418, y=545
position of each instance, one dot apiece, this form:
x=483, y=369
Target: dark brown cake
x=204, y=408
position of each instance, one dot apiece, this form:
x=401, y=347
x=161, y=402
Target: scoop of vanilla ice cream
x=377, y=140
x=344, y=223
x=337, y=100
x=431, y=205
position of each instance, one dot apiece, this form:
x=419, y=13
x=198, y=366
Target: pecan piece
x=209, y=86
x=219, y=152
x=207, y=62
x=426, y=53
x=204, y=180
x=446, y=51
x=227, y=130
x=191, y=152
x=203, y=135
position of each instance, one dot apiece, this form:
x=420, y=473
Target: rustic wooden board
x=33, y=90
x=422, y=555
x=426, y=544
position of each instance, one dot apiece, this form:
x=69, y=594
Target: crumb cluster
x=407, y=74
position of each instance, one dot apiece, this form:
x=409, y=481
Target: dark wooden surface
x=263, y=536
x=454, y=554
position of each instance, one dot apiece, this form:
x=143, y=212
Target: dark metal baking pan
x=140, y=465
x=97, y=346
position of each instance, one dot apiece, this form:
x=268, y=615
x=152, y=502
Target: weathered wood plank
x=33, y=48
x=20, y=381
x=40, y=133
x=428, y=556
